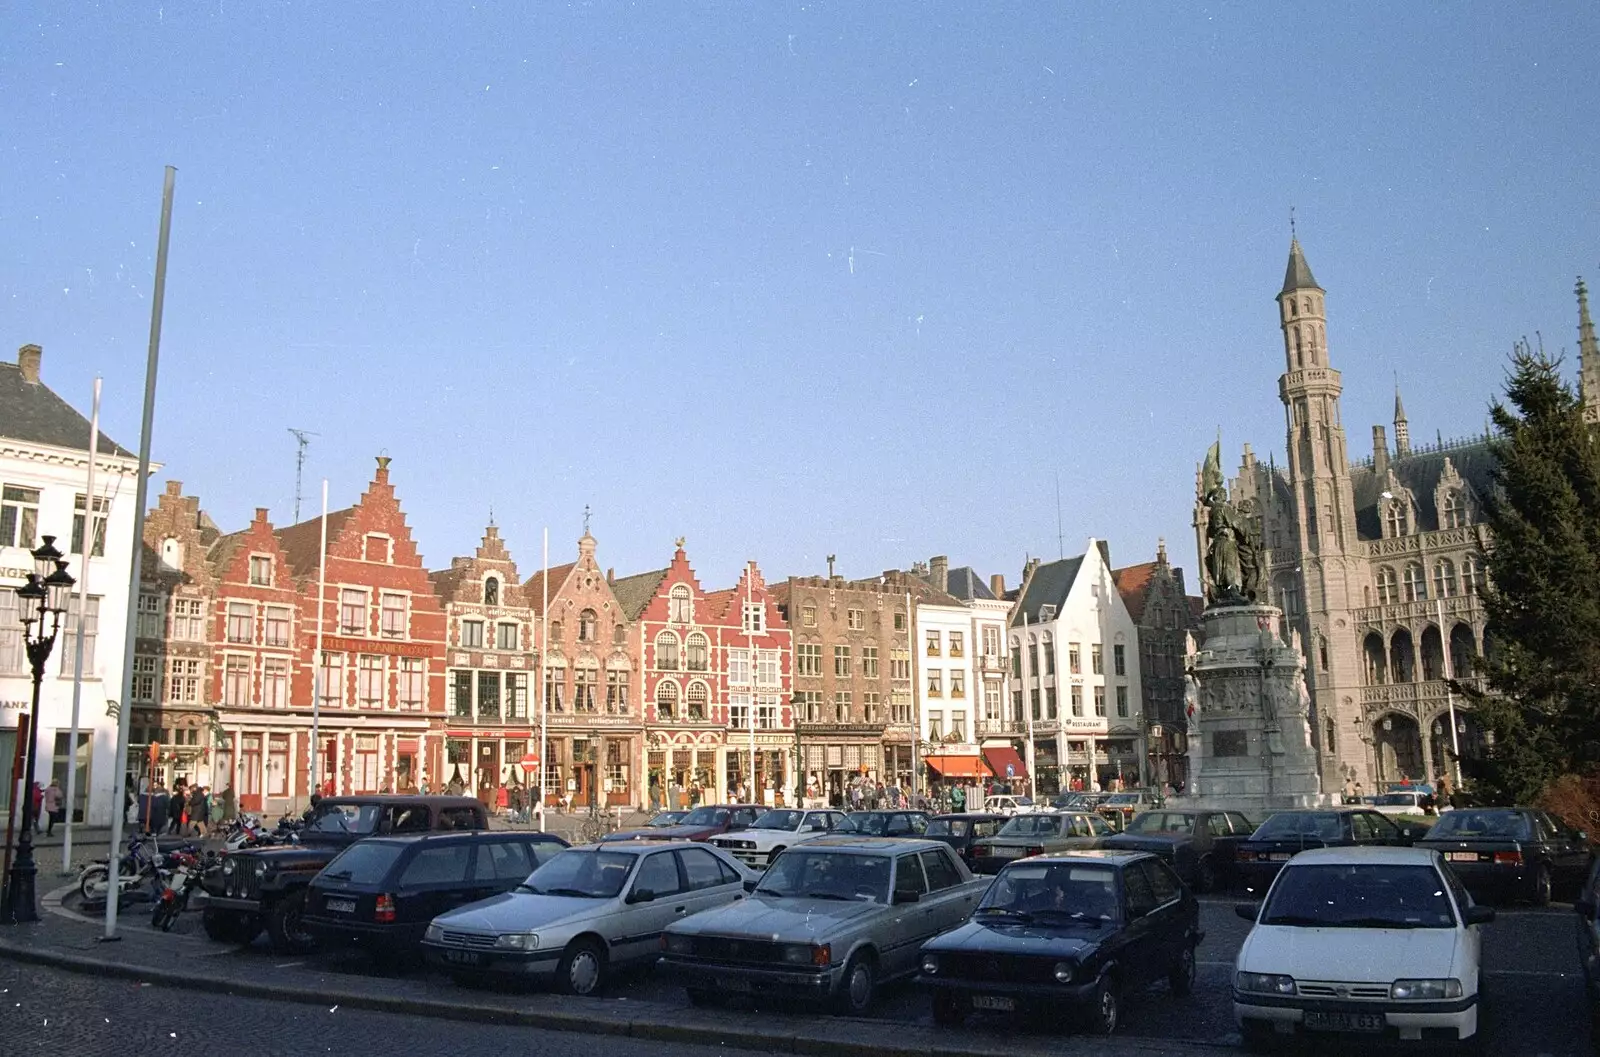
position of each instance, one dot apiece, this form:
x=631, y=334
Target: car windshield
x=1032, y=826
x=1289, y=825
x=1161, y=822
x=1362, y=895
x=1470, y=824
x=706, y=816
x=1123, y=798
x=343, y=819
x=1395, y=800
x=778, y=820
x=667, y=818
x=819, y=874
x=948, y=827
x=581, y=872
x=870, y=823
x=1023, y=801
x=365, y=862
x=1075, y=891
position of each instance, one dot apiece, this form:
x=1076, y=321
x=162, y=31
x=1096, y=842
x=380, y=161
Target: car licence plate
x=733, y=983
x=340, y=906
x=1461, y=856
x=1000, y=1003
x=1278, y=856
x=1319, y=1021
x=1006, y=853
x=463, y=957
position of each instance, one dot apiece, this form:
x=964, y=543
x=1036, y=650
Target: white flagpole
x=1449, y=698
x=750, y=628
x=322, y=619
x=1027, y=704
x=85, y=553
x=544, y=695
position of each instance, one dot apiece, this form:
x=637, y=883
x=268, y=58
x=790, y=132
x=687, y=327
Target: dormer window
x=1398, y=518
x=1452, y=512
x=260, y=570
x=1046, y=613
x=491, y=591
x=679, y=604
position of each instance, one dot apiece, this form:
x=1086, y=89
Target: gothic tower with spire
x=1588, y=358
x=1402, y=429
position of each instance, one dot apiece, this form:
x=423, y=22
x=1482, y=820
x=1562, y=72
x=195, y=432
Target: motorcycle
x=187, y=869
x=137, y=866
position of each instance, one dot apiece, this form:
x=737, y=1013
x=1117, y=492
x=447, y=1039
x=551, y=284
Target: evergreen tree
x=1542, y=656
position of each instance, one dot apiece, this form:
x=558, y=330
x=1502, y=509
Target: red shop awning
x=957, y=766
x=999, y=759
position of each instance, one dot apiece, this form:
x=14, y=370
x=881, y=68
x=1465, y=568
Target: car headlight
x=228, y=866
x=1403, y=990
x=432, y=934
x=930, y=965
x=1264, y=983
x=517, y=941
x=675, y=944
x=1064, y=972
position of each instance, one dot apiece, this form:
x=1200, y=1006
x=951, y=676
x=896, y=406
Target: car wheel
x=949, y=1010
x=1205, y=875
x=1256, y=1036
x=582, y=970
x=1541, y=887
x=1104, y=1007
x=1181, y=979
x=858, y=986
x=224, y=926
x=288, y=935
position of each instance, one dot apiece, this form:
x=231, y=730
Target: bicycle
x=597, y=825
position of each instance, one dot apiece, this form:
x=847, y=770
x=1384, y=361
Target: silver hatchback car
x=584, y=912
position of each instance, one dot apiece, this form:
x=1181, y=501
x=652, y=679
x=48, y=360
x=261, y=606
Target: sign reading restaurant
x=393, y=649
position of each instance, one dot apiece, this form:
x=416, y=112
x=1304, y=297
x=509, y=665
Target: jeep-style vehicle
x=258, y=888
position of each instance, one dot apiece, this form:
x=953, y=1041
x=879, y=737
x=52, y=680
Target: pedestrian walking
x=230, y=803
x=52, y=800
x=199, y=811
x=1349, y=791
x=177, y=808
x=38, y=802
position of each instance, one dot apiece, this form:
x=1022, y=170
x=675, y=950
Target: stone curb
x=832, y=1036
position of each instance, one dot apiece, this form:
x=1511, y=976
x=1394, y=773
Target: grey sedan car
x=584, y=912
x=831, y=920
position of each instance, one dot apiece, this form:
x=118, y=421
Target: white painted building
x=1075, y=667
x=946, y=694
x=44, y=462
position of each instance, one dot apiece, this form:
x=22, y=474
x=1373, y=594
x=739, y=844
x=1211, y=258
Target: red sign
x=530, y=762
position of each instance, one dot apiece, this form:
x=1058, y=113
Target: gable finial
x=1291, y=223
x=587, y=513
x=491, y=515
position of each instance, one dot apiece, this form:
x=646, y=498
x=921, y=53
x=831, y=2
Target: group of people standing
x=184, y=811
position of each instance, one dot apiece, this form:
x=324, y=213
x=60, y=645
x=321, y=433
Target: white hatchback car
x=1370, y=941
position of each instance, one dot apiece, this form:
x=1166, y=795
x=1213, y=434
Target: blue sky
x=788, y=279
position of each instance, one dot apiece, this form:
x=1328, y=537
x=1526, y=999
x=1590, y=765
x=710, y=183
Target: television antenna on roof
x=302, y=437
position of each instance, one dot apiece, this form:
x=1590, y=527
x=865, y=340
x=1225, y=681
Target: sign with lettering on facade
x=392, y=649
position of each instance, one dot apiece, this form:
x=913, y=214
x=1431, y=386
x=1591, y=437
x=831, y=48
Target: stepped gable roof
x=31, y=412
x=635, y=592
x=965, y=583
x=1420, y=472
x=302, y=543
x=1132, y=583
x=1049, y=585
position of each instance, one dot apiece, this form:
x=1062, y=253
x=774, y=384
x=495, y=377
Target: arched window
x=696, y=651
x=1049, y=654
x=491, y=591
x=1473, y=576
x=619, y=635
x=1377, y=659
x=1398, y=518
x=1298, y=362
x=667, y=651
x=1330, y=744
x=171, y=554
x=1453, y=513
x=667, y=699
x=679, y=604
x=1388, y=589
x=1415, y=583
x=1444, y=578
x=588, y=626
x=1308, y=306
x=1288, y=591
x=697, y=701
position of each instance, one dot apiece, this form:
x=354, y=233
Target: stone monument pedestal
x=1250, y=737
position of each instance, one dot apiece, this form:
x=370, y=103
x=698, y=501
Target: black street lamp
x=43, y=603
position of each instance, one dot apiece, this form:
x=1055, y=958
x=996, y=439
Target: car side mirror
x=1581, y=837
x=641, y=895
x=1584, y=907
x=907, y=897
x=1248, y=911
x=750, y=886
x=1479, y=915
x=1407, y=833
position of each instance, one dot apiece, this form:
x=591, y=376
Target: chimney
x=997, y=585
x=175, y=488
x=261, y=515
x=939, y=571
x=1028, y=568
x=1380, y=451
x=28, y=363
x=611, y=575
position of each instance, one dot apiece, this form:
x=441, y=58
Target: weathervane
x=586, y=515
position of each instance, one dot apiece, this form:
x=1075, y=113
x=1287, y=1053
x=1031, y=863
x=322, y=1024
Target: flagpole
x=86, y=551
x=1449, y=698
x=316, y=673
x=750, y=629
x=544, y=694
x=119, y=758
x=1027, y=704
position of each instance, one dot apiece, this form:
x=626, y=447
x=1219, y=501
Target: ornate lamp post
x=43, y=604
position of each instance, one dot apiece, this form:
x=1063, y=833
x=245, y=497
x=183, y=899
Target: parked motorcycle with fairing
x=184, y=878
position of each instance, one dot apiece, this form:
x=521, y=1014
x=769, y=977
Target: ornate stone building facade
x=1377, y=564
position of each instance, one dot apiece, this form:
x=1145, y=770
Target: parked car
x=1588, y=907
x=1200, y=845
x=962, y=830
x=1404, y=802
x=829, y=921
x=380, y=893
x=1071, y=802
x=584, y=913
x=1119, y=808
x=1036, y=834
x=1082, y=929
x=701, y=824
x=885, y=823
x=774, y=831
x=1287, y=833
x=1008, y=804
x=1366, y=941
x=256, y=888
x=665, y=818
x=1511, y=852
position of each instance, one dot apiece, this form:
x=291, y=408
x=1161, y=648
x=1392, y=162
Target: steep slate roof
x=1420, y=473
x=964, y=583
x=223, y=548
x=1049, y=586
x=533, y=590
x=1131, y=584
x=302, y=543
x=1298, y=275
x=33, y=413
x=635, y=592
